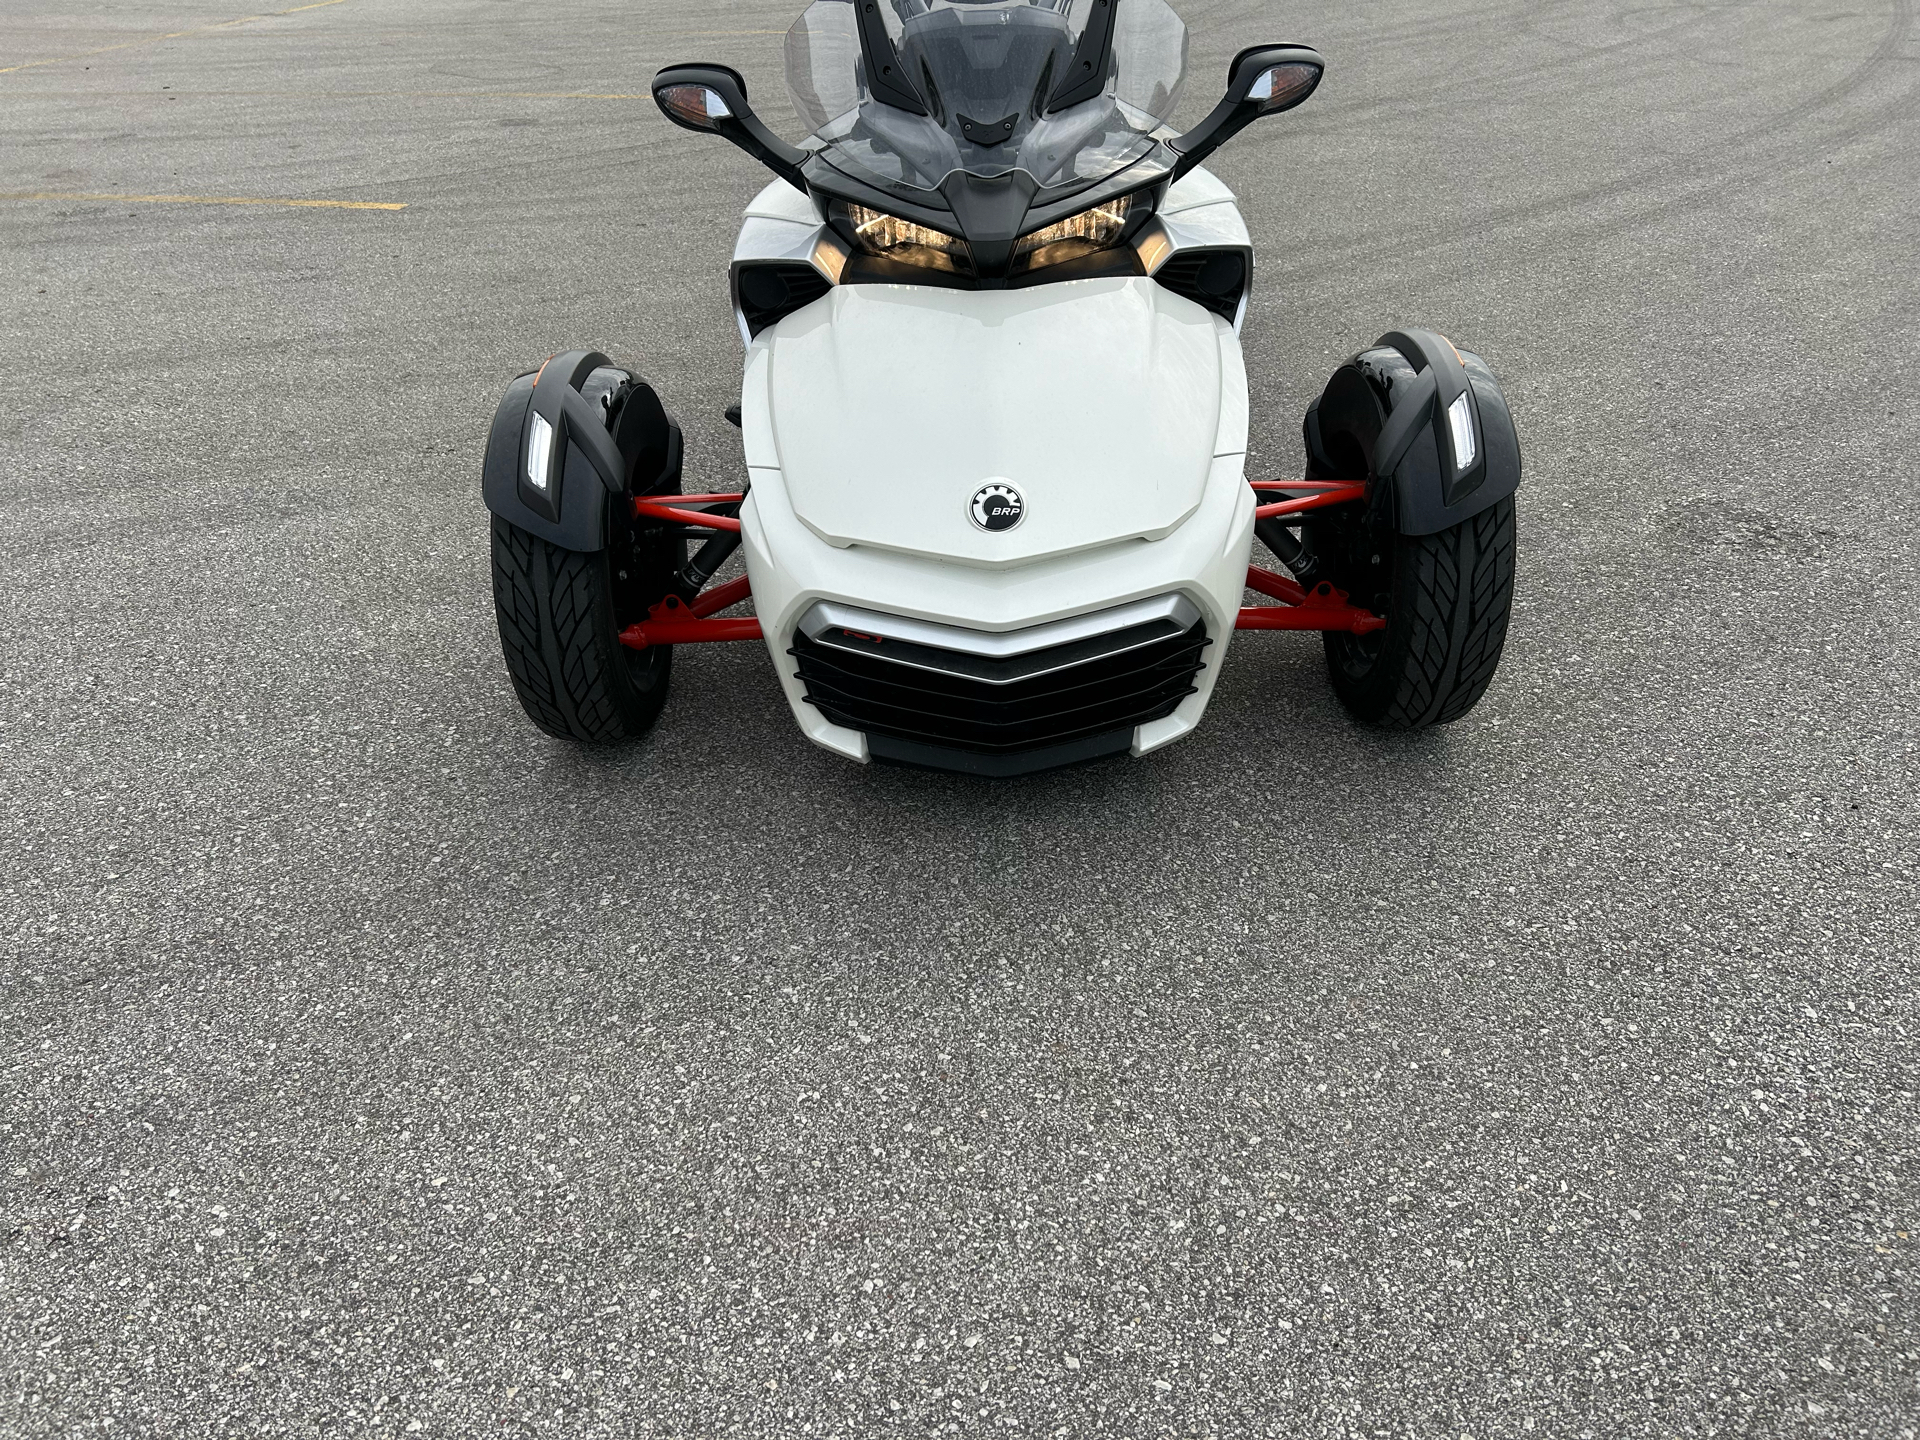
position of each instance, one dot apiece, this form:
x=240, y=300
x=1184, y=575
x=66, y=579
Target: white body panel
x=1099, y=400
x=872, y=416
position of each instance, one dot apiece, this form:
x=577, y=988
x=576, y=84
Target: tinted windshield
x=987, y=71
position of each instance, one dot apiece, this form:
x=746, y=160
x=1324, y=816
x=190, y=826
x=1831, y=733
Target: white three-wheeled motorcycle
x=995, y=515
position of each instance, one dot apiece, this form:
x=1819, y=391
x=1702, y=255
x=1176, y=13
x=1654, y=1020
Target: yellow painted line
x=347, y=94
x=466, y=95
x=204, y=199
x=170, y=35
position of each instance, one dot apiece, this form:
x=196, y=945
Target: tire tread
x=555, y=636
x=1453, y=598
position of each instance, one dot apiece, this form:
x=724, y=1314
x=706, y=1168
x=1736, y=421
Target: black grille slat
x=1026, y=739
x=972, y=716
x=907, y=711
x=1004, y=671
x=1135, y=672
x=1036, y=705
x=1064, y=684
x=998, y=739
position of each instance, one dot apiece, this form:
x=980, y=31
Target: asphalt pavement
x=371, y=1064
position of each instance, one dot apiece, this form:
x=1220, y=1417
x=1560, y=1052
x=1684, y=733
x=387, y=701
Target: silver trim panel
x=824, y=615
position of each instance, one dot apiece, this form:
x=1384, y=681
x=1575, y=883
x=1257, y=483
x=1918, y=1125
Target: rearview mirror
x=698, y=107
x=714, y=99
x=1262, y=81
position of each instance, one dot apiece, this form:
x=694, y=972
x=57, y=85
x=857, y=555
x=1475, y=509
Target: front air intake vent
x=1213, y=278
x=771, y=292
x=970, y=700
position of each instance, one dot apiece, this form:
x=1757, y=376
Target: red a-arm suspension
x=1323, y=607
x=674, y=621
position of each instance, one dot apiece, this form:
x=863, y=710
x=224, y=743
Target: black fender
x=1388, y=414
x=609, y=437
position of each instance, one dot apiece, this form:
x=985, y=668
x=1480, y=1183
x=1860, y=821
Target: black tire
x=561, y=615
x=561, y=611
x=1447, y=605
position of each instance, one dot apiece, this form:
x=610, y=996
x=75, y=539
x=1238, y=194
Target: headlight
x=878, y=233
x=1074, y=236
x=875, y=232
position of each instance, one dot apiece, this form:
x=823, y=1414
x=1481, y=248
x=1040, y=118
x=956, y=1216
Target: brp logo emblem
x=997, y=507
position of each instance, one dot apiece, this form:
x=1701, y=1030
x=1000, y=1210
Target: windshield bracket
x=988, y=132
x=1086, y=73
x=886, y=77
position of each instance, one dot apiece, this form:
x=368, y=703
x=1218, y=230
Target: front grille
x=1000, y=694
x=1213, y=278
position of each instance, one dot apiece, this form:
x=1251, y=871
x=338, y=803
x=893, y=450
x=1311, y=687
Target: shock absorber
x=695, y=574
x=1274, y=534
x=698, y=570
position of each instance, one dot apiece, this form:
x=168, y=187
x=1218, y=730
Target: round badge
x=997, y=507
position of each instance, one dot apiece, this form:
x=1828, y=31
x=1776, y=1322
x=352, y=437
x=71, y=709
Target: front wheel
x=561, y=613
x=1448, y=599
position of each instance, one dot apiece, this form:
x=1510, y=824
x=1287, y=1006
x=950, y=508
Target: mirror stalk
x=713, y=99
x=1261, y=81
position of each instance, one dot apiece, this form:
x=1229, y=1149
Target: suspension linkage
x=1321, y=608
x=1326, y=492
x=673, y=507
x=674, y=621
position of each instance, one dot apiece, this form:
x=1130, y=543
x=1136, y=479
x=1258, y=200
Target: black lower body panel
x=999, y=766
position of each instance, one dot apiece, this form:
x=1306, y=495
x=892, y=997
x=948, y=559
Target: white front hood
x=887, y=407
